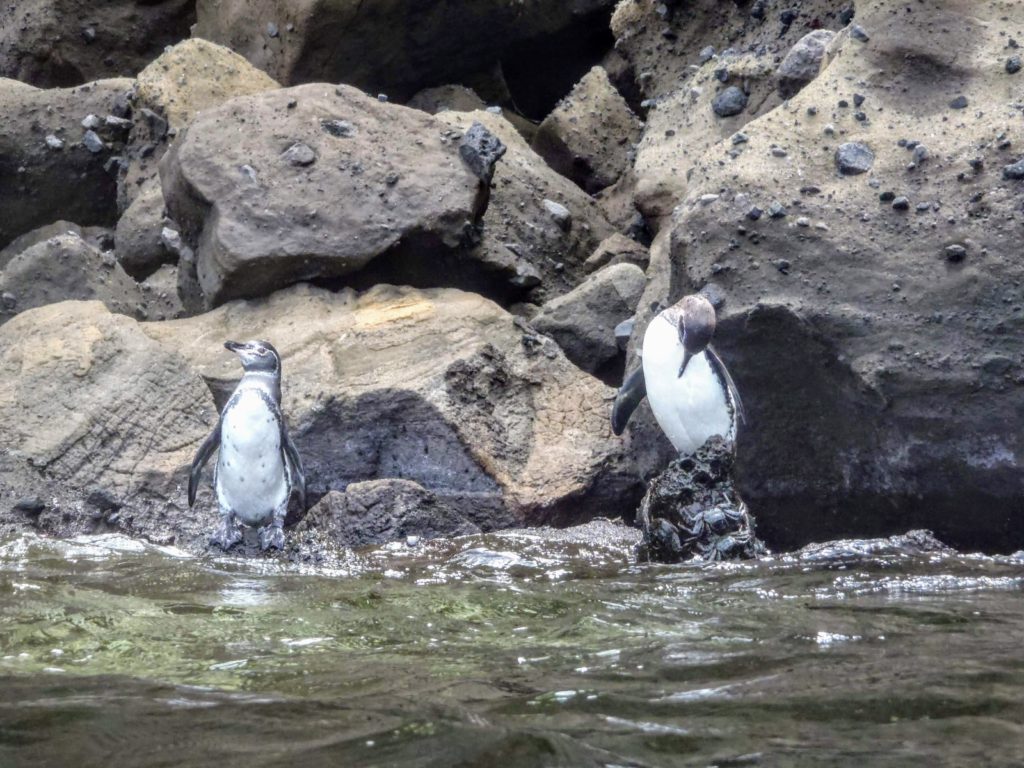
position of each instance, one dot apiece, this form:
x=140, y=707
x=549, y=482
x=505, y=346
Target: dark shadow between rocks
x=541, y=71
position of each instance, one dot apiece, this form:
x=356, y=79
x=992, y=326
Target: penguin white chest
x=691, y=408
x=251, y=476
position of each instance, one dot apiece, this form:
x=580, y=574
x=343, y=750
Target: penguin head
x=696, y=326
x=256, y=355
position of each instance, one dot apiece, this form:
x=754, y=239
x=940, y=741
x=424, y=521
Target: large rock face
x=438, y=387
x=60, y=43
x=705, y=70
x=51, y=166
x=100, y=423
x=396, y=46
x=315, y=182
x=873, y=322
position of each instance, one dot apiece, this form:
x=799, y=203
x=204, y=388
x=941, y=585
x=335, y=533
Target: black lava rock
x=691, y=510
x=1014, y=171
x=901, y=203
x=1013, y=65
x=853, y=158
x=480, y=150
x=729, y=102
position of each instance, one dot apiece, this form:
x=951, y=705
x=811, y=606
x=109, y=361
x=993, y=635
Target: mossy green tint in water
x=528, y=648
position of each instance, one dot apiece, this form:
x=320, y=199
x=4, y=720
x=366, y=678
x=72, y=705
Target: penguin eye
x=261, y=350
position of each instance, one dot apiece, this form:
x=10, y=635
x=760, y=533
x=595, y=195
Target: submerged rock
x=691, y=510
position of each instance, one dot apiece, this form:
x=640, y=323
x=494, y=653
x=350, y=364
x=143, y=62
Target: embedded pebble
x=729, y=102
x=853, y=158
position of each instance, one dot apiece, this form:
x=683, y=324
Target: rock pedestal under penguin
x=258, y=465
x=691, y=509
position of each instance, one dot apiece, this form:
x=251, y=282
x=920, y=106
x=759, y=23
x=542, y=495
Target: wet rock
x=439, y=387
x=589, y=135
x=398, y=49
x=853, y=158
x=43, y=43
x=101, y=406
x=380, y=511
x=256, y=223
x=910, y=544
x=40, y=185
x=835, y=341
x=729, y=102
x=66, y=267
x=583, y=321
x=691, y=511
x=803, y=62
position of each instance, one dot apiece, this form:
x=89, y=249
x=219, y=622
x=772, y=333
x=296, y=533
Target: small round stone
x=729, y=102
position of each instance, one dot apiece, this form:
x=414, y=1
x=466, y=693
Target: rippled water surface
x=506, y=651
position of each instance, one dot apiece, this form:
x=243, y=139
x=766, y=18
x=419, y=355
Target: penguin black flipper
x=630, y=395
x=210, y=444
x=723, y=374
x=294, y=462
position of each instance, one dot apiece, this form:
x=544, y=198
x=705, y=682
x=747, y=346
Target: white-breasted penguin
x=258, y=465
x=692, y=395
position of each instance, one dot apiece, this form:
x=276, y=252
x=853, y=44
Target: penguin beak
x=234, y=346
x=686, y=359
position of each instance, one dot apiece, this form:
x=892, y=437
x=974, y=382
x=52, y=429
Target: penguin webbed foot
x=271, y=537
x=226, y=535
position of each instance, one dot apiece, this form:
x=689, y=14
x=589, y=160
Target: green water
x=505, y=651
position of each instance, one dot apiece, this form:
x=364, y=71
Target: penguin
x=692, y=395
x=258, y=465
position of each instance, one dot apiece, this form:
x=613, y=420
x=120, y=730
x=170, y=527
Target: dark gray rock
x=1014, y=170
x=803, y=62
x=481, y=150
x=1013, y=65
x=692, y=511
x=901, y=203
x=853, y=158
x=960, y=102
x=138, y=245
x=381, y=511
x=299, y=154
x=729, y=102
x=584, y=321
x=857, y=32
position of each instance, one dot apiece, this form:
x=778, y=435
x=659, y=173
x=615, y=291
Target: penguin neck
x=267, y=381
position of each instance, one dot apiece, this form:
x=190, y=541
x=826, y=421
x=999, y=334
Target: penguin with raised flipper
x=692, y=395
x=258, y=465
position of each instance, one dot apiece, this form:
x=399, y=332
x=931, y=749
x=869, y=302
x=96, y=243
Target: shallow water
x=506, y=650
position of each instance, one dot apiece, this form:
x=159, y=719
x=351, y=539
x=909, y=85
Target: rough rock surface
x=617, y=249
x=583, y=321
x=138, y=244
x=525, y=238
x=397, y=47
x=589, y=136
x=316, y=182
x=100, y=424
x=66, y=267
x=443, y=98
x=379, y=511
x=98, y=237
x=880, y=369
x=691, y=510
x=803, y=62
x=40, y=183
x=440, y=387
x=680, y=87
x=61, y=43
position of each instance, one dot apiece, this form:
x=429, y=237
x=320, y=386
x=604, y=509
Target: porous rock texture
x=873, y=325
x=60, y=43
x=50, y=167
x=396, y=47
x=316, y=181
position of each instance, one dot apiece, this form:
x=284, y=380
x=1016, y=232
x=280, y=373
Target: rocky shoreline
x=455, y=228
